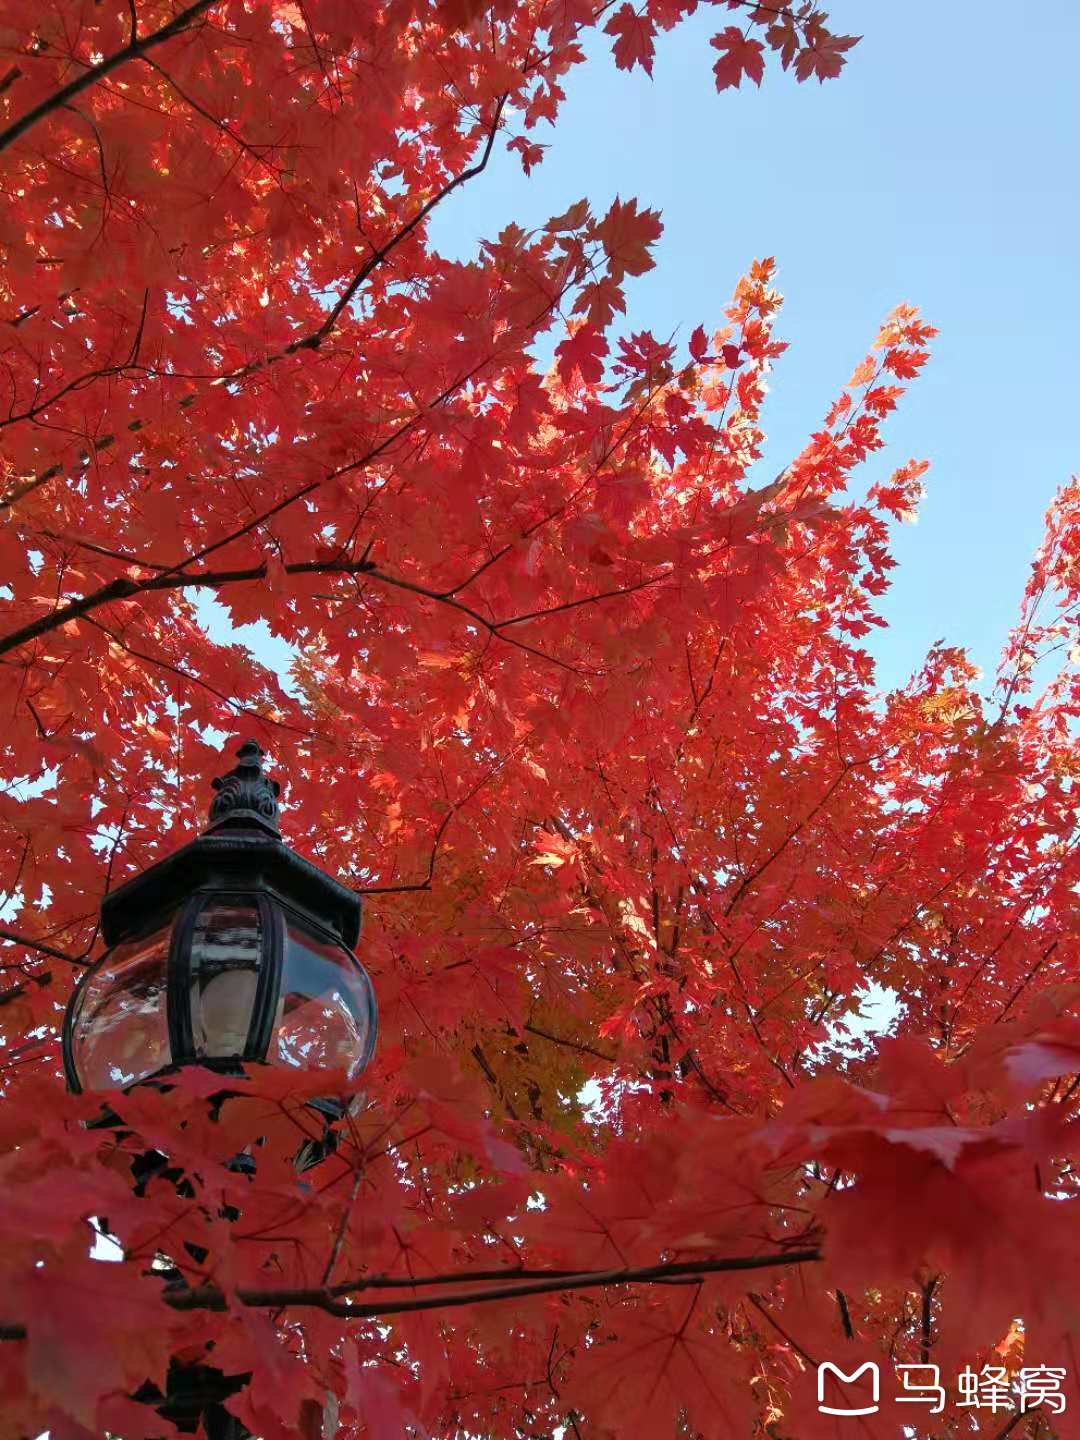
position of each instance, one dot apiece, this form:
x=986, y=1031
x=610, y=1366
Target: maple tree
x=577, y=701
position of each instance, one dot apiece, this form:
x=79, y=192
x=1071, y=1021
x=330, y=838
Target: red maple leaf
x=634, y=38
x=651, y=1364
x=739, y=56
x=581, y=355
x=627, y=235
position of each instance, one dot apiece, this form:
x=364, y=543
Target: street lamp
x=232, y=949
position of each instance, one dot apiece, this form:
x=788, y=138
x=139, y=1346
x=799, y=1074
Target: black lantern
x=231, y=949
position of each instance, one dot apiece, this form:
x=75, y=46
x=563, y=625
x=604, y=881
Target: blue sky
x=940, y=168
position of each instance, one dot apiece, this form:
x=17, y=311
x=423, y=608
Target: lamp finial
x=245, y=796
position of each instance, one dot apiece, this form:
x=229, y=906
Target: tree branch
x=535, y=1283
x=539, y=1282
x=125, y=588
x=41, y=947
x=375, y=259
x=580, y=1045
x=759, y=869
x=132, y=51
x=457, y=805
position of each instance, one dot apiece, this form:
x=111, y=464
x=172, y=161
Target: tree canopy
x=579, y=700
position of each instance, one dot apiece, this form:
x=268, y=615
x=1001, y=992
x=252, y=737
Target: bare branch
x=315, y=339
x=41, y=947
x=208, y=1297
x=570, y=1044
x=125, y=588
x=133, y=50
